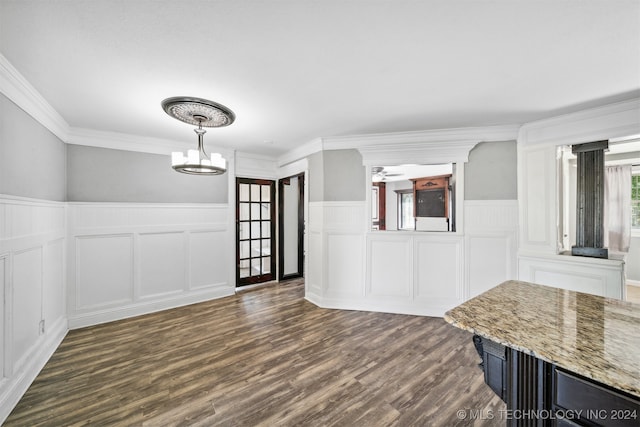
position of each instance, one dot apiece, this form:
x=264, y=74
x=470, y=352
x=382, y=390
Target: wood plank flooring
x=262, y=357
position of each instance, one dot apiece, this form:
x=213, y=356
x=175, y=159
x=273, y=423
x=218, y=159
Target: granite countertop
x=593, y=336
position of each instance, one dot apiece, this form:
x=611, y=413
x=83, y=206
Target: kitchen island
x=564, y=358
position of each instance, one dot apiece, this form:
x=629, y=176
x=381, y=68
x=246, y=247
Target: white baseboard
x=82, y=320
x=15, y=386
x=358, y=304
x=629, y=282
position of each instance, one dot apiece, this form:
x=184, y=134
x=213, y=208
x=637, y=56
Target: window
x=405, y=210
x=620, y=153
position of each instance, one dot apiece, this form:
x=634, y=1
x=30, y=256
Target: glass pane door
x=255, y=219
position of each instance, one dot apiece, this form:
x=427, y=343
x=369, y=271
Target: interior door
x=255, y=230
x=291, y=227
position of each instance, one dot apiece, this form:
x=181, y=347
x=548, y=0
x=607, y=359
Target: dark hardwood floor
x=262, y=357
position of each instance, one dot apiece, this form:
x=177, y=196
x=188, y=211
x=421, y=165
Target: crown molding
x=617, y=120
x=441, y=136
x=16, y=88
x=420, y=147
x=251, y=165
x=430, y=152
x=419, y=142
x=301, y=152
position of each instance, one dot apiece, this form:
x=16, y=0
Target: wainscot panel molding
x=33, y=318
x=353, y=268
x=491, y=244
x=537, y=199
x=127, y=259
x=343, y=267
x=439, y=271
x=389, y=266
x=416, y=273
x=604, y=277
x=335, y=251
x=314, y=256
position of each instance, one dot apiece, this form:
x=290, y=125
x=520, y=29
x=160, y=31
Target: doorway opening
x=255, y=231
x=291, y=227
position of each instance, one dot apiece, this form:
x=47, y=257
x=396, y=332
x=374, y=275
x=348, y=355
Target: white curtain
x=617, y=208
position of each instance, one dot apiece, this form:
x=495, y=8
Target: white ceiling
x=295, y=70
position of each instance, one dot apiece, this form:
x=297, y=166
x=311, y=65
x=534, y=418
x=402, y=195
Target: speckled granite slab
x=593, y=336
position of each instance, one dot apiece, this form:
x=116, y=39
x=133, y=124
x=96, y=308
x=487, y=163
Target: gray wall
x=32, y=159
x=491, y=172
x=344, y=176
x=316, y=177
x=106, y=175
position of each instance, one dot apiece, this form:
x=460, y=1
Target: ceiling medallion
x=202, y=113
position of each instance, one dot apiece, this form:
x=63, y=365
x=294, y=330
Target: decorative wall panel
x=439, y=270
x=491, y=236
x=595, y=276
x=389, y=265
x=26, y=302
x=104, y=270
x=208, y=264
x=162, y=263
x=132, y=259
x=32, y=289
x=345, y=253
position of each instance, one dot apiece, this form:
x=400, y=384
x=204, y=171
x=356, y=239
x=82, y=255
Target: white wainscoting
x=417, y=273
x=537, y=196
x=32, y=278
x=128, y=259
x=604, y=277
x=491, y=244
x=421, y=273
x=335, y=256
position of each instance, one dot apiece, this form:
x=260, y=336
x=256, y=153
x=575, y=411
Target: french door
x=255, y=230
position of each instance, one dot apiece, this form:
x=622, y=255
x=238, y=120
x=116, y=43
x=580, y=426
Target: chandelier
x=202, y=113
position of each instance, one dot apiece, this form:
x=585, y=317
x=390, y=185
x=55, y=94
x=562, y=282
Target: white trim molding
x=430, y=146
x=250, y=165
x=15, y=87
x=432, y=152
x=618, y=120
x=301, y=152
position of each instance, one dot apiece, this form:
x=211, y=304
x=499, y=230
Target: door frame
x=301, y=226
x=272, y=213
